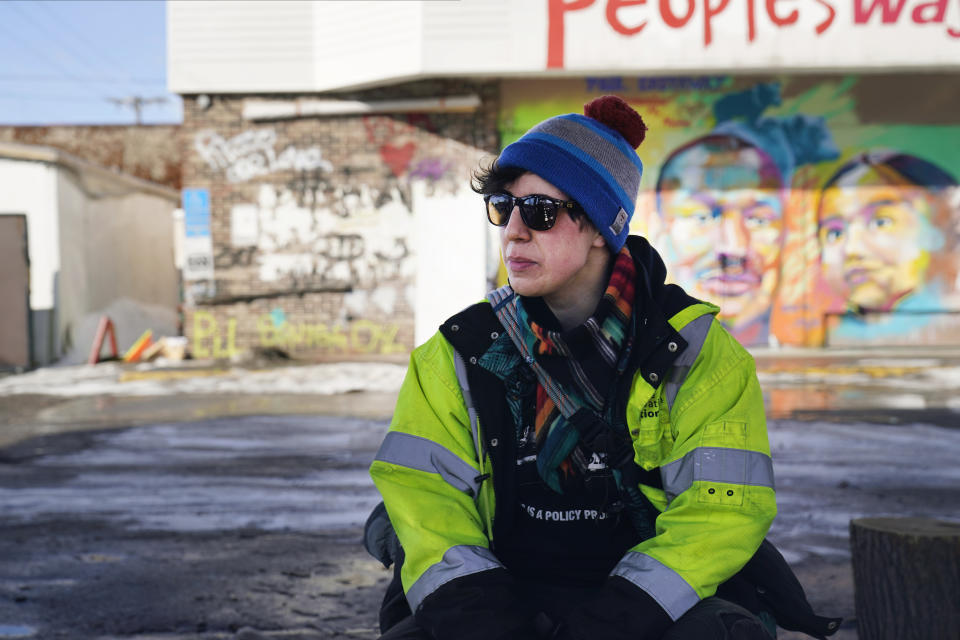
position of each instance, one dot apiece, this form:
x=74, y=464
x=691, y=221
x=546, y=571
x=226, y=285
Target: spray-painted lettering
x=253, y=153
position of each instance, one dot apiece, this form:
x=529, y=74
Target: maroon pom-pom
x=618, y=115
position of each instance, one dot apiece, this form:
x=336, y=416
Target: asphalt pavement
x=205, y=500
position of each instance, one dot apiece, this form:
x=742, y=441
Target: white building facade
x=87, y=237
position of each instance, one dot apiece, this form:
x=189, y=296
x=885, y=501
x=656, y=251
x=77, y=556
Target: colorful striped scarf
x=586, y=362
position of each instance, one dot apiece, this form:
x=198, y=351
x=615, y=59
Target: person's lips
x=857, y=276
x=727, y=284
x=518, y=263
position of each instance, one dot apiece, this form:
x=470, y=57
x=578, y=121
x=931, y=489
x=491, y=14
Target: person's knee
x=406, y=629
x=716, y=619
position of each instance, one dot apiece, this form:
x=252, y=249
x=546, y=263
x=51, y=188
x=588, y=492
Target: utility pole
x=137, y=103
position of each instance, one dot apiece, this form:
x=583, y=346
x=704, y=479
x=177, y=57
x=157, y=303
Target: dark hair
x=495, y=179
x=912, y=168
x=720, y=143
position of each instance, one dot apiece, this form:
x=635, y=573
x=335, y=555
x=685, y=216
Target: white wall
x=113, y=246
x=355, y=41
x=450, y=240
x=239, y=46
x=31, y=188
x=261, y=46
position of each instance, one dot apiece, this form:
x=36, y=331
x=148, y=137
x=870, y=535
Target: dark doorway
x=14, y=293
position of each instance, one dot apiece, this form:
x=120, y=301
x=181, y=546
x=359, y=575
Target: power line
x=57, y=98
x=75, y=78
x=55, y=40
x=37, y=52
x=89, y=46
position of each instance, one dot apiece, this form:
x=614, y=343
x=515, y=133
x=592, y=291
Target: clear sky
x=66, y=61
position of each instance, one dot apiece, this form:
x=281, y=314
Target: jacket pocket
x=722, y=461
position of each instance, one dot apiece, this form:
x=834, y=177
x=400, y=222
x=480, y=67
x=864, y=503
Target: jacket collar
x=656, y=344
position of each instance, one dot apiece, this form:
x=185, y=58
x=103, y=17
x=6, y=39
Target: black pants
x=710, y=619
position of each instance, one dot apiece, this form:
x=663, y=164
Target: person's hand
x=545, y=627
x=619, y=611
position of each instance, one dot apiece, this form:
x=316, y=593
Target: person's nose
x=733, y=239
x=516, y=228
x=856, y=242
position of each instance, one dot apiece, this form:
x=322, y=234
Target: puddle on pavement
x=16, y=631
x=304, y=473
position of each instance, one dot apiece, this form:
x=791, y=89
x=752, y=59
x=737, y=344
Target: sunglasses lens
x=499, y=207
x=538, y=213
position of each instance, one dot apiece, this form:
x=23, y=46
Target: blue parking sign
x=196, y=212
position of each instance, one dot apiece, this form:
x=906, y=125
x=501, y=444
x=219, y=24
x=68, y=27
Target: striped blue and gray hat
x=592, y=158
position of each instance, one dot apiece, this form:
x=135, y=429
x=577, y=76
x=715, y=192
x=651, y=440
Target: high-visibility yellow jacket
x=694, y=412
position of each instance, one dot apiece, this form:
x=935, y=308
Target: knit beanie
x=592, y=158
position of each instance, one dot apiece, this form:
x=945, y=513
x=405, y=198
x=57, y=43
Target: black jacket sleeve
x=480, y=606
x=619, y=611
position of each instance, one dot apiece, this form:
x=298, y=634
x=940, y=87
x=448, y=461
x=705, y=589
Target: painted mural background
x=814, y=210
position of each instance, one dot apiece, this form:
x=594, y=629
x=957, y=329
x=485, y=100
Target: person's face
x=724, y=219
x=875, y=242
x=546, y=263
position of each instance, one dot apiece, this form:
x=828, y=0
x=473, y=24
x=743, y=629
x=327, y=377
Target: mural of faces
x=812, y=210
x=722, y=208
x=877, y=232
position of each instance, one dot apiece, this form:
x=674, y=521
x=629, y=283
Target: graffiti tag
x=253, y=153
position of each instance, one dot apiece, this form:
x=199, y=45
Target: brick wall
x=312, y=219
x=151, y=152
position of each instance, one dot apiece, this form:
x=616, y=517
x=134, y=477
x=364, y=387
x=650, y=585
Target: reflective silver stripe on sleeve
x=664, y=585
x=695, y=333
x=457, y=562
x=461, y=369
x=425, y=455
x=717, y=464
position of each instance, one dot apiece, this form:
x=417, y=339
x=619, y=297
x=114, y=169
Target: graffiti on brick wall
x=316, y=247
x=337, y=219
x=360, y=336
x=213, y=339
x=327, y=227
x=210, y=339
x=396, y=142
x=254, y=153
x=349, y=192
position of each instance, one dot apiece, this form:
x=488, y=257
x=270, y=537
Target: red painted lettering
x=671, y=19
x=751, y=21
x=613, y=6
x=777, y=20
x=555, y=29
x=939, y=11
x=888, y=14
x=708, y=14
x=823, y=26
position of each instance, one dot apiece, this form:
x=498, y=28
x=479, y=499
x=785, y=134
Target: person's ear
x=598, y=240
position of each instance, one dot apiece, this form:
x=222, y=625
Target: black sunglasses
x=538, y=212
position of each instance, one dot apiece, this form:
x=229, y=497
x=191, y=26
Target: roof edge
x=52, y=155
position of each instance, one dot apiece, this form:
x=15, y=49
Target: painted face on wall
x=723, y=214
x=876, y=238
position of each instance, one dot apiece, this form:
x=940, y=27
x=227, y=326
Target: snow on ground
x=300, y=473
x=906, y=378
x=904, y=375
x=110, y=378
x=828, y=473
